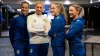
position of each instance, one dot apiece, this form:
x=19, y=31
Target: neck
x=39, y=14
x=24, y=14
x=57, y=14
x=76, y=17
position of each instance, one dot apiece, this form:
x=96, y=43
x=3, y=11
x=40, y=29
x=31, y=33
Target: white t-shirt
x=38, y=23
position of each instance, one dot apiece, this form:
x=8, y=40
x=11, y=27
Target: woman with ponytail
x=57, y=28
x=74, y=33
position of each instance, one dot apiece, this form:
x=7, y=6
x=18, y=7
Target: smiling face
x=24, y=8
x=73, y=12
x=54, y=10
x=39, y=8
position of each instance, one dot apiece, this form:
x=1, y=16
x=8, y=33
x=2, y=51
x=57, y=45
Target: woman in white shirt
x=38, y=27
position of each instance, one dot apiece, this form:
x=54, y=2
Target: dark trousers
x=58, y=51
x=20, y=49
x=38, y=49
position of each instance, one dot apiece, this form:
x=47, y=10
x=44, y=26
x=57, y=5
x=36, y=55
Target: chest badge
x=18, y=51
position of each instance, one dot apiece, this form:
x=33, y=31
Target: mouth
x=71, y=15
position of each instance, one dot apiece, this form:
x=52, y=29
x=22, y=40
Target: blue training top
x=74, y=35
x=18, y=29
x=57, y=27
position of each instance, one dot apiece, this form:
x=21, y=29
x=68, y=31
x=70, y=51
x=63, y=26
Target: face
x=54, y=10
x=24, y=8
x=73, y=12
x=39, y=8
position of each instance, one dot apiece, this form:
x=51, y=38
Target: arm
x=12, y=30
x=46, y=25
x=74, y=30
x=55, y=27
x=30, y=25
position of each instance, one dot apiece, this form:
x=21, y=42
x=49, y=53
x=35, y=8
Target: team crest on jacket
x=31, y=50
x=18, y=51
x=57, y=17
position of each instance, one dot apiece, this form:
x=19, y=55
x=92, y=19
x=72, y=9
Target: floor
x=7, y=50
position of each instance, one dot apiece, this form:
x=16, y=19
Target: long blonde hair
x=62, y=10
x=80, y=9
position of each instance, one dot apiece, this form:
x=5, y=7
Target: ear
x=58, y=9
x=77, y=11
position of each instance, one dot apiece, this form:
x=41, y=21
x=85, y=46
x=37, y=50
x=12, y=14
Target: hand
x=67, y=31
x=54, y=35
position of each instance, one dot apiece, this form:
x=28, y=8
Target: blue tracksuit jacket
x=18, y=29
x=57, y=27
x=74, y=37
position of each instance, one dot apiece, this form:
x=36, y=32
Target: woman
x=74, y=33
x=18, y=31
x=38, y=25
x=57, y=27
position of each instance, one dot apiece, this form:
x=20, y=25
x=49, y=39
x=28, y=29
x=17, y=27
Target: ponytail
x=62, y=11
x=81, y=14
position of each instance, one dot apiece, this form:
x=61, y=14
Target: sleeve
x=47, y=25
x=12, y=30
x=55, y=27
x=74, y=30
x=29, y=24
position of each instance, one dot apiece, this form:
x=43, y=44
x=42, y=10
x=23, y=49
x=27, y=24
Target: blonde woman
x=57, y=28
x=74, y=33
x=38, y=26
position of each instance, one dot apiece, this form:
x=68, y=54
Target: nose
x=39, y=9
x=69, y=12
x=24, y=9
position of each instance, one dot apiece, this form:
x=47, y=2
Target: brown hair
x=25, y=3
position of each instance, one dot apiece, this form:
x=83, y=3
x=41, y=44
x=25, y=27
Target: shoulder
x=79, y=22
x=45, y=18
x=31, y=15
x=60, y=17
x=16, y=16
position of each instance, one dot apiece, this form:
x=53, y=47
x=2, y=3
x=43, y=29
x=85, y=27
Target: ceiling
x=16, y=3
x=59, y=1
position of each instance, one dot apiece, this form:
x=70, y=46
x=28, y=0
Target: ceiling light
x=29, y=1
x=91, y=1
x=67, y=2
x=47, y=2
